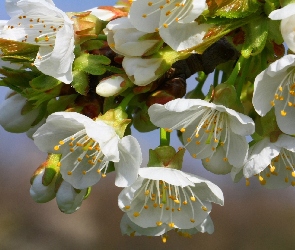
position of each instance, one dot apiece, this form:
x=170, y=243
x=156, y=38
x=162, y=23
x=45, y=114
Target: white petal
x=130, y=161
x=169, y=175
x=260, y=155
x=182, y=36
x=102, y=14
x=288, y=31
x=283, y=13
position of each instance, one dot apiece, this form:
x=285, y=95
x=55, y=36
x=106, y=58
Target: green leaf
x=44, y=82
x=92, y=44
x=80, y=82
x=18, y=51
x=91, y=64
x=60, y=104
x=233, y=8
x=256, y=33
x=114, y=69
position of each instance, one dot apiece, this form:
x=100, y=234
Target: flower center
x=285, y=92
x=39, y=30
x=88, y=151
x=174, y=11
x=166, y=199
x=281, y=166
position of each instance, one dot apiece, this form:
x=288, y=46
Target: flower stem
x=242, y=79
x=233, y=76
x=216, y=76
x=123, y=105
x=164, y=137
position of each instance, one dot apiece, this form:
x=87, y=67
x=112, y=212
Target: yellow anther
x=247, y=182
x=197, y=135
x=56, y=147
x=155, y=205
x=84, y=172
x=260, y=178
x=204, y=208
x=164, y=239
x=192, y=220
x=290, y=104
x=216, y=140
x=171, y=224
x=165, y=25
x=276, y=96
x=70, y=172
x=161, y=7
x=193, y=198
x=136, y=214
x=98, y=170
x=103, y=175
x=168, y=130
x=146, y=206
x=71, y=144
x=225, y=159
x=283, y=113
x=281, y=98
x=168, y=13
x=61, y=142
x=127, y=207
x=184, y=203
x=159, y=223
x=177, y=201
x=144, y=15
x=176, y=19
x=293, y=174
x=213, y=149
x=147, y=192
x=286, y=179
x=72, y=150
x=179, y=209
x=272, y=169
x=161, y=205
x=188, y=139
x=133, y=234
x=198, y=142
x=59, y=164
x=167, y=208
x=194, y=156
x=182, y=130
x=156, y=29
x=207, y=159
x=79, y=159
x=272, y=103
x=150, y=3
x=268, y=175
x=293, y=183
x=280, y=88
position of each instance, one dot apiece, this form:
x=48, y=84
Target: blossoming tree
x=78, y=81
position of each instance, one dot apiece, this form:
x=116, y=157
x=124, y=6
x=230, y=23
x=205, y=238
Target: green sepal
x=51, y=168
x=267, y=126
x=233, y=8
x=88, y=191
x=114, y=69
x=166, y=156
x=141, y=120
x=44, y=82
x=80, y=82
x=60, y=104
x=256, y=34
x=92, y=44
x=15, y=51
x=91, y=64
x=226, y=95
x=116, y=118
x=42, y=113
x=271, y=5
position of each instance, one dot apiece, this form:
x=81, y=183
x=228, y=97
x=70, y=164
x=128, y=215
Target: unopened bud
x=112, y=86
x=68, y=198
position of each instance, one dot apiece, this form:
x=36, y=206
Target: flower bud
x=12, y=116
x=112, y=86
x=44, y=179
x=68, y=198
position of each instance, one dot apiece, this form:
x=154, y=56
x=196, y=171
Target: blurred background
x=252, y=218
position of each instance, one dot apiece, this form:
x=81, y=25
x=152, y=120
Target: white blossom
x=168, y=197
x=211, y=132
x=87, y=147
x=275, y=87
x=39, y=22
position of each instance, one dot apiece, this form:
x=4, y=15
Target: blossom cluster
x=78, y=81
